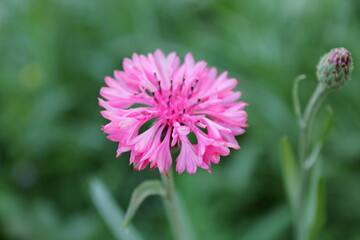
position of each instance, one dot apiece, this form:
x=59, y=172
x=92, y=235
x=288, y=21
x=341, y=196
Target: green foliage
x=328, y=125
x=54, y=56
x=324, y=137
x=140, y=193
x=290, y=172
x=110, y=212
x=296, y=101
x=315, y=206
x=278, y=218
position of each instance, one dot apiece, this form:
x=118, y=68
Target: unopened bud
x=335, y=67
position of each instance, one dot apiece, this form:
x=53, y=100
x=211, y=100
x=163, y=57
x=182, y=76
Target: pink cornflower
x=182, y=100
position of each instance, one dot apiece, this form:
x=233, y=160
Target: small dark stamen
x=191, y=91
x=182, y=84
x=159, y=84
x=168, y=101
x=171, y=84
x=154, y=97
x=198, y=101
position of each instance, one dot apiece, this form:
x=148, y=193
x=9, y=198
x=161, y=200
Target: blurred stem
x=172, y=206
x=304, y=143
x=315, y=101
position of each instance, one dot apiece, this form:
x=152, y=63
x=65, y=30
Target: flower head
x=191, y=107
x=335, y=67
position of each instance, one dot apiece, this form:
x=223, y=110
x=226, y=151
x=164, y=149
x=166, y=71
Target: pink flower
x=187, y=103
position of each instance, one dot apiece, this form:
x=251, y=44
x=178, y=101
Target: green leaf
x=295, y=96
x=185, y=219
x=310, y=161
x=271, y=225
x=290, y=171
x=145, y=189
x=315, y=208
x=328, y=125
x=110, y=211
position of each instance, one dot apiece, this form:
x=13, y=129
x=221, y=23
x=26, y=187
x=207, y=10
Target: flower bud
x=335, y=67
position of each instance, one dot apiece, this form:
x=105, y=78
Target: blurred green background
x=54, y=55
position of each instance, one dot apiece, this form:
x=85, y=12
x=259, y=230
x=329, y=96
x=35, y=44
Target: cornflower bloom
x=191, y=107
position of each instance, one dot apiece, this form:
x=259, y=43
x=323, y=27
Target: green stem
x=172, y=206
x=304, y=143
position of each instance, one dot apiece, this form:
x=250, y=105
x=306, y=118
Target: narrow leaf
x=295, y=96
x=271, y=225
x=328, y=125
x=315, y=209
x=189, y=232
x=290, y=171
x=141, y=192
x=310, y=161
x=110, y=211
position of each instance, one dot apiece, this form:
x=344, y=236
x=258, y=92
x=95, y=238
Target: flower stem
x=304, y=143
x=172, y=206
